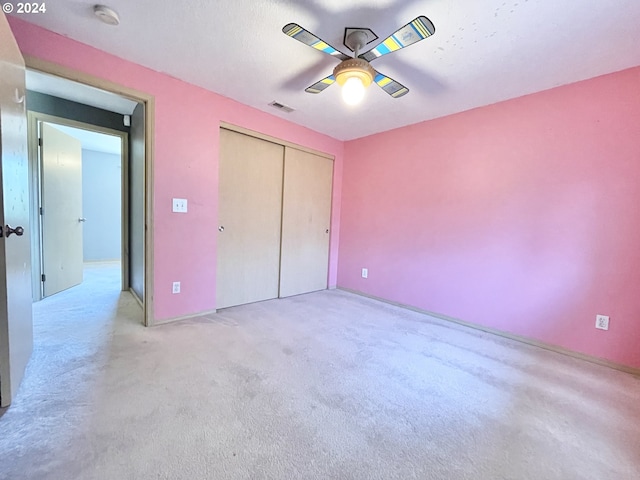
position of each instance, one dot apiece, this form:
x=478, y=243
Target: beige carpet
x=321, y=386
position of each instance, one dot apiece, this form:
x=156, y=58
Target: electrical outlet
x=602, y=322
x=176, y=287
x=180, y=205
x=365, y=273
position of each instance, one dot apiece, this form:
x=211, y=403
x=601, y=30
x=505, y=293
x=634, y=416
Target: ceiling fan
x=356, y=74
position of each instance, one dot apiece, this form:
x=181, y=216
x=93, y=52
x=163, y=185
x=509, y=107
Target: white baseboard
x=184, y=317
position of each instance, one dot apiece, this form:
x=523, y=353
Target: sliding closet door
x=250, y=209
x=306, y=217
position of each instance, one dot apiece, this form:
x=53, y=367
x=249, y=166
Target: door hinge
x=39, y=142
x=44, y=277
x=40, y=210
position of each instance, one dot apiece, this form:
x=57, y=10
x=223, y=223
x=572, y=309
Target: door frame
x=148, y=101
x=36, y=194
x=276, y=140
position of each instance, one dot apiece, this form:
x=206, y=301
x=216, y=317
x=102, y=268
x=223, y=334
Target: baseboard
x=502, y=333
x=184, y=317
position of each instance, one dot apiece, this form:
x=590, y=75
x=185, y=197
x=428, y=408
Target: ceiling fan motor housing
x=354, y=67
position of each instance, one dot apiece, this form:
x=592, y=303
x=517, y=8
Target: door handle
x=82, y=219
x=221, y=228
x=17, y=97
x=19, y=231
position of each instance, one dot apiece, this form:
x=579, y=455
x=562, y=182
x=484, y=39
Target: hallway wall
x=101, y=206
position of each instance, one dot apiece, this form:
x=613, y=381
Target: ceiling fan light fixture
x=353, y=91
x=354, y=76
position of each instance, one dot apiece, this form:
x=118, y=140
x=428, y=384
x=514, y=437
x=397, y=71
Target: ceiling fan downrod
x=355, y=41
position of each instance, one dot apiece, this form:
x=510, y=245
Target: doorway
x=81, y=203
x=81, y=96
x=16, y=327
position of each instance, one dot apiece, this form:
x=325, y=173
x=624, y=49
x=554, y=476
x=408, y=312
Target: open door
x=16, y=326
x=61, y=160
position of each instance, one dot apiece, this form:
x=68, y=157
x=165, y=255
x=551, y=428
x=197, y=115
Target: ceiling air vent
x=281, y=107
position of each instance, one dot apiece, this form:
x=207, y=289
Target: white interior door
x=249, y=213
x=306, y=217
x=61, y=161
x=16, y=329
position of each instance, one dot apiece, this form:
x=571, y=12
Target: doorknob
x=221, y=228
x=18, y=231
x=82, y=219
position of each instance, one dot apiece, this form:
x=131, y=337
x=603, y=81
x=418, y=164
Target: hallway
x=72, y=335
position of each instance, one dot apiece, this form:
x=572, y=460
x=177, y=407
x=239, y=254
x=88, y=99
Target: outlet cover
x=180, y=205
x=176, y=287
x=365, y=273
x=602, y=322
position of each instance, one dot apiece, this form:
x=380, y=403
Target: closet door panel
x=306, y=218
x=250, y=209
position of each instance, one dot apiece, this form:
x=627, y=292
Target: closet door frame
x=286, y=144
x=278, y=141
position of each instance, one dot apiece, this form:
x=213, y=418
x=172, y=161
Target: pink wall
x=521, y=216
x=186, y=164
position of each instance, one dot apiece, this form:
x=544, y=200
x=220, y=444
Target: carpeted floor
x=321, y=386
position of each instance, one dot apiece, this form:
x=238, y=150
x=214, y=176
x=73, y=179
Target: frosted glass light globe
x=353, y=91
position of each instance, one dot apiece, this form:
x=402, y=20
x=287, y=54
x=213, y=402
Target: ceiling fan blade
x=321, y=85
x=296, y=31
x=389, y=85
x=412, y=32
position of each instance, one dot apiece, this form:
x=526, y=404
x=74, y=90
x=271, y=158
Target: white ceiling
x=482, y=52
x=98, y=142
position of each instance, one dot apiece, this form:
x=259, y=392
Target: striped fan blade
x=296, y=31
x=411, y=33
x=321, y=85
x=389, y=85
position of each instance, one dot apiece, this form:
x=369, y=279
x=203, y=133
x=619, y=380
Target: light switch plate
x=180, y=205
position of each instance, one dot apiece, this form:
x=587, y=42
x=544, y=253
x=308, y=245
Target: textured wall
x=186, y=164
x=520, y=216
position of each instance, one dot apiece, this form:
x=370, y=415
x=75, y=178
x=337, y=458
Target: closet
x=274, y=216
